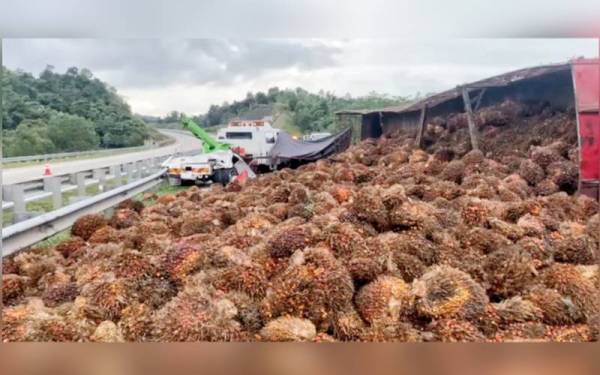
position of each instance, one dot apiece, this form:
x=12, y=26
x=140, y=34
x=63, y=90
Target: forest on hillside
x=64, y=112
x=295, y=109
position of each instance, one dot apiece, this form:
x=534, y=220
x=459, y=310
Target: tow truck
x=217, y=163
x=253, y=142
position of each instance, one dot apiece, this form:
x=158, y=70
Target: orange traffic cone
x=47, y=170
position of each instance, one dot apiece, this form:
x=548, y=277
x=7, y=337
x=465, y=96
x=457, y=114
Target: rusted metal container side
x=586, y=81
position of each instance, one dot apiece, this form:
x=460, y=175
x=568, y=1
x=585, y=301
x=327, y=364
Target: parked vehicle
x=315, y=136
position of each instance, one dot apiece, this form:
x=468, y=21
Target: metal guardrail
x=16, y=196
x=66, y=155
x=26, y=233
x=139, y=175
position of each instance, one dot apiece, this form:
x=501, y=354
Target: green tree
x=76, y=92
x=302, y=110
x=29, y=138
x=173, y=116
x=72, y=133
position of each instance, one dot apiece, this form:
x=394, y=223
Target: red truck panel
x=586, y=80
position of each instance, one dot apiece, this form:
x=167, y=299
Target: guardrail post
x=80, y=179
x=141, y=166
x=16, y=195
x=147, y=167
x=100, y=175
x=138, y=169
x=53, y=185
x=157, y=163
x=129, y=170
x=115, y=171
x=29, y=232
x=48, y=182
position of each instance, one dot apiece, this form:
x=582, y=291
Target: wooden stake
x=478, y=101
x=421, y=129
x=471, y=121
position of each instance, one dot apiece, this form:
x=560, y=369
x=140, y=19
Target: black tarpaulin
x=289, y=149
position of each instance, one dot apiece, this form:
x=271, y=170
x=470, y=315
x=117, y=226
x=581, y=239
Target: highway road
x=183, y=143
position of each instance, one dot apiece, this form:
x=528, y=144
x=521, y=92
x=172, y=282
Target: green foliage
x=173, y=116
x=54, y=239
x=297, y=109
x=31, y=137
x=72, y=133
x=79, y=111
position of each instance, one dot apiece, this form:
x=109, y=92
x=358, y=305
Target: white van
x=315, y=136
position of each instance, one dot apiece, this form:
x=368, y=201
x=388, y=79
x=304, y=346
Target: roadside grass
x=165, y=188
x=7, y=217
x=114, y=182
x=92, y=189
x=100, y=153
x=67, y=196
x=45, y=205
x=160, y=190
x=154, y=135
x=54, y=239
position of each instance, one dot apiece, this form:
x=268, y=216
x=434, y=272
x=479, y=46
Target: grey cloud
x=161, y=18
x=254, y=57
x=136, y=63
x=474, y=51
x=306, y=18
x=158, y=75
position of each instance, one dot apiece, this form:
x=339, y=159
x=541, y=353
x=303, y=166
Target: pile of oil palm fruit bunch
x=383, y=242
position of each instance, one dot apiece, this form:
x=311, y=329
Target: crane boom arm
x=209, y=144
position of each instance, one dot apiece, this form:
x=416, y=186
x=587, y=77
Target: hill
x=66, y=112
x=297, y=111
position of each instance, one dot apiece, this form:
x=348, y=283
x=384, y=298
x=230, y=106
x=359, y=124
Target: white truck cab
x=252, y=139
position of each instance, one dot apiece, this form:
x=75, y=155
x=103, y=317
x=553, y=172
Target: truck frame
x=217, y=163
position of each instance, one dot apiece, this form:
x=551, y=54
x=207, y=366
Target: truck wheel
x=218, y=176
x=224, y=176
x=232, y=173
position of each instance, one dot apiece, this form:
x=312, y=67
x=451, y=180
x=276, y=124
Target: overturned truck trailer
x=572, y=87
x=586, y=82
x=290, y=152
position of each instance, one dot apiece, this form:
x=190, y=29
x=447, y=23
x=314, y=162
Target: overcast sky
x=159, y=75
x=303, y=18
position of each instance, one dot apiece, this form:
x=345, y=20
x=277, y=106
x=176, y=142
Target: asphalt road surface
x=183, y=143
